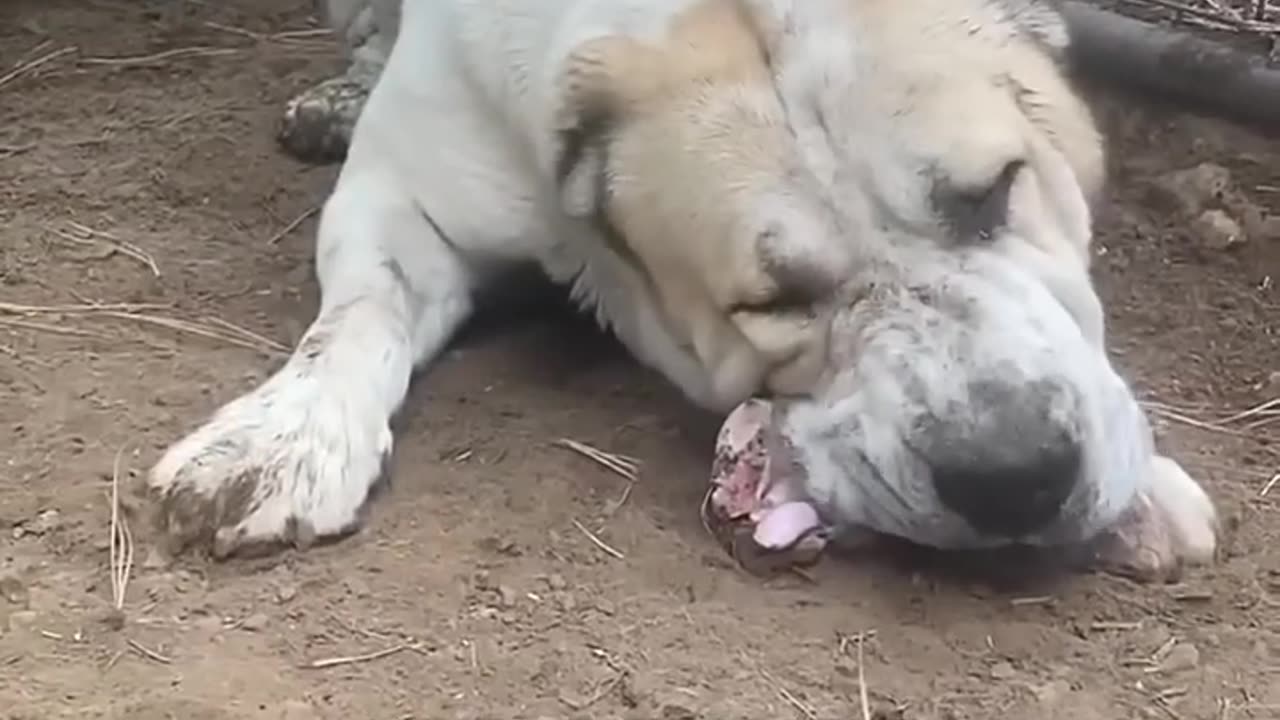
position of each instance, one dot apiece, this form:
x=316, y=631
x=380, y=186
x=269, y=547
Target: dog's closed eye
x=796, y=282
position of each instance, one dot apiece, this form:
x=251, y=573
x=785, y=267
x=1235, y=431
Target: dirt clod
x=257, y=622
x=1003, y=671
x=1052, y=693
x=298, y=710
x=113, y=619
x=23, y=620
x=678, y=712
x=1218, y=230
x=1183, y=656
x=286, y=593
x=1188, y=191
x=14, y=592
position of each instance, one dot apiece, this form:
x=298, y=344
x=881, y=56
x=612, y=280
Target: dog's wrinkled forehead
x=762, y=164
x=931, y=98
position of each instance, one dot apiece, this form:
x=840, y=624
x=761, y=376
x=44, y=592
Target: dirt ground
x=155, y=187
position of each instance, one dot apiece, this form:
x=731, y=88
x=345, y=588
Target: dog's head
x=877, y=214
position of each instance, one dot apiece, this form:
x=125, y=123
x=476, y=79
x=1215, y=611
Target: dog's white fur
x=760, y=214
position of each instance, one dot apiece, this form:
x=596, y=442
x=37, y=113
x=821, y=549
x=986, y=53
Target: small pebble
x=678, y=712
x=1003, y=671
x=255, y=622
x=356, y=587
x=23, y=620
x=297, y=710
x=286, y=593
x=113, y=619
x=156, y=560
x=1183, y=656
x=1052, y=693
x=1272, y=383
x=14, y=591
x=46, y=522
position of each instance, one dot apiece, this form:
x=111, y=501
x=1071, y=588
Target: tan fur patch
x=713, y=41
x=694, y=131
x=953, y=34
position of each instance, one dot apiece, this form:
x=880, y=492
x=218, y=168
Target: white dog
x=875, y=213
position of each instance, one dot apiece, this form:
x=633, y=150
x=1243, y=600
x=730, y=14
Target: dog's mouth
x=756, y=506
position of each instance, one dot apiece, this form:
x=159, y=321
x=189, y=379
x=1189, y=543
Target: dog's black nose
x=1010, y=469
x=1010, y=500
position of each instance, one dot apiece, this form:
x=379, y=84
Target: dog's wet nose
x=1010, y=471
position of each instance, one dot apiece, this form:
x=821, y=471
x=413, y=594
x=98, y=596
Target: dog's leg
x=317, y=123
x=295, y=459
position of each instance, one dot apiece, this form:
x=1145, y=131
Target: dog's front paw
x=290, y=463
x=317, y=123
x=1171, y=524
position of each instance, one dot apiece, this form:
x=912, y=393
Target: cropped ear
x=602, y=83
x=1042, y=22
x=1047, y=99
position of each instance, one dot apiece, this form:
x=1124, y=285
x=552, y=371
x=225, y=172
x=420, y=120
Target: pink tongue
x=783, y=525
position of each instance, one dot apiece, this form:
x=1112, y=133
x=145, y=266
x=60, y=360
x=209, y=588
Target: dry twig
x=174, y=54
x=624, y=465
x=21, y=309
x=1249, y=421
x=27, y=67
x=214, y=328
x=55, y=329
x=353, y=659
x=147, y=653
x=1031, y=601
x=1168, y=413
x=287, y=37
x=84, y=235
x=801, y=706
x=302, y=34
x=863, y=700
x=121, y=542
x=231, y=334
x=293, y=225
x=609, y=550
x=1269, y=408
x=1271, y=484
